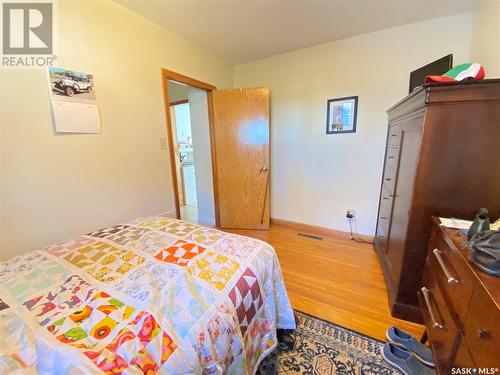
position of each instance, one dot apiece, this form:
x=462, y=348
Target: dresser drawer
x=388, y=184
x=391, y=160
x=452, y=274
x=385, y=208
x=381, y=238
x=394, y=136
x=386, y=198
x=482, y=329
x=390, y=169
x=443, y=333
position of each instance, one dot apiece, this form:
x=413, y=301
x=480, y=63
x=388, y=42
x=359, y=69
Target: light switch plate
x=163, y=143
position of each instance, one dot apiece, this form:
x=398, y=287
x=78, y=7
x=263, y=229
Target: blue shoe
x=410, y=343
x=405, y=361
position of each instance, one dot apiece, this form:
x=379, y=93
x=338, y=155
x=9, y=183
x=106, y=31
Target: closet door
x=241, y=138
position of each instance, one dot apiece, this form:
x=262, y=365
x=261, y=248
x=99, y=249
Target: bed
x=154, y=295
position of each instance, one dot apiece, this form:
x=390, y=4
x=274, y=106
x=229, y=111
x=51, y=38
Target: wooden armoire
x=442, y=159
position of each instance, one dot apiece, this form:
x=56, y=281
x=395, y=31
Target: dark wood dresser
x=461, y=305
x=443, y=159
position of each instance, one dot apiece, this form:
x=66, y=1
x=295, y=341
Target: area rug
x=322, y=348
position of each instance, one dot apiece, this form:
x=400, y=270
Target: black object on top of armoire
x=442, y=159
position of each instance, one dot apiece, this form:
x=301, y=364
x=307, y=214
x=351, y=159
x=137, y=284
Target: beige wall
x=486, y=37
x=316, y=177
x=57, y=186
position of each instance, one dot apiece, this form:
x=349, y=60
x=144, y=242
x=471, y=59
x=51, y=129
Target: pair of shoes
x=408, y=342
x=405, y=361
x=407, y=354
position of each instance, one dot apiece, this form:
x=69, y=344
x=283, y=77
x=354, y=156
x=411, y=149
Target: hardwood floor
x=335, y=279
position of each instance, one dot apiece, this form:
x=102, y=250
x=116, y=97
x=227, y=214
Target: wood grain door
x=241, y=139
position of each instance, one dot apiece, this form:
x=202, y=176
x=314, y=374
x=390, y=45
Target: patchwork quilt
x=154, y=295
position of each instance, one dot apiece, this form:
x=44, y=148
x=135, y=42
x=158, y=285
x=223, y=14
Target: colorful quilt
x=155, y=295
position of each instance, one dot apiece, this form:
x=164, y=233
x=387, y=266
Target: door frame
x=177, y=77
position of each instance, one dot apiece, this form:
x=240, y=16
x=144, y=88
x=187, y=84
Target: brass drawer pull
x=447, y=273
x=435, y=322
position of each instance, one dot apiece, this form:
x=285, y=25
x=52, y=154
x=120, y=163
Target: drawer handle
x=391, y=157
x=447, y=273
x=388, y=179
x=383, y=217
x=393, y=135
x=385, y=198
x=427, y=299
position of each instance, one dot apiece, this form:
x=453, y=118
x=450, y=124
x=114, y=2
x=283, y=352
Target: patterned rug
x=322, y=348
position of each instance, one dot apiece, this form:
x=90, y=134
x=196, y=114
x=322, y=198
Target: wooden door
x=241, y=139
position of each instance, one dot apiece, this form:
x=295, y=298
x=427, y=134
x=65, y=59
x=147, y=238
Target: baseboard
x=313, y=229
x=299, y=227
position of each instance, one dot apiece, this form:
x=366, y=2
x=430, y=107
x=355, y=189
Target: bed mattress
x=153, y=295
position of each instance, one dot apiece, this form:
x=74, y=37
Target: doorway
x=189, y=123
x=183, y=149
x=229, y=138
x=190, y=145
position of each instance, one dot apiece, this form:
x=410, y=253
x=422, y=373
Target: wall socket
x=350, y=213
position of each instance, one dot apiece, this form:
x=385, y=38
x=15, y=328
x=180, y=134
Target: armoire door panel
x=409, y=146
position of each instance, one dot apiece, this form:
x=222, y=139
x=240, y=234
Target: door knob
x=263, y=169
x=483, y=334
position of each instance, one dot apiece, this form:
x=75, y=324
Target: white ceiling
x=240, y=30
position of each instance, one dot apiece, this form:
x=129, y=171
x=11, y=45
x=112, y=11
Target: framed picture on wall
x=341, y=115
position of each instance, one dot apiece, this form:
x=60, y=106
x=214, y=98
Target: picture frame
x=341, y=115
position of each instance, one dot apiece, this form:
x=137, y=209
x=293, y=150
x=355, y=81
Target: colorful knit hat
x=459, y=73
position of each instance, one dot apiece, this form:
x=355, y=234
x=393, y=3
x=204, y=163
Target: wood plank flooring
x=335, y=279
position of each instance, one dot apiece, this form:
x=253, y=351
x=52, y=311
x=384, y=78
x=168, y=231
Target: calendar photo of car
x=73, y=99
x=71, y=85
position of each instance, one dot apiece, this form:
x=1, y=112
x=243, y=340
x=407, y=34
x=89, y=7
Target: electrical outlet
x=350, y=213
